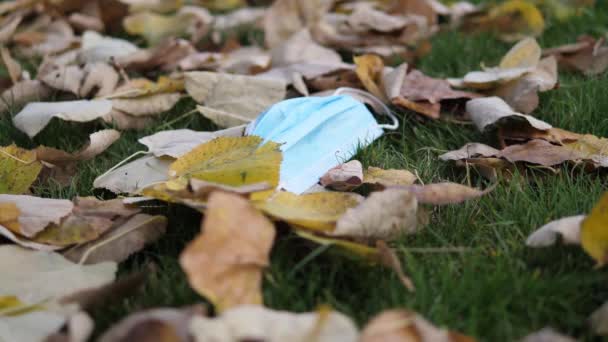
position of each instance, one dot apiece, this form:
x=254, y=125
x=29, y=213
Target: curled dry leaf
x=165, y=56
x=588, y=55
x=160, y=324
x=257, y=323
x=121, y=241
x=370, y=70
x=36, y=115
x=568, y=228
x=383, y=215
x=231, y=100
x=403, y=325
x=344, y=177
x=98, y=143
x=19, y=168
x=316, y=211
x=53, y=38
x=8, y=25
x=21, y=93
x=225, y=262
x=97, y=48
x=146, y=105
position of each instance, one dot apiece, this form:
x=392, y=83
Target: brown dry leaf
x=8, y=26
x=22, y=93
x=315, y=211
x=286, y=17
x=100, y=77
x=425, y=8
x=97, y=48
x=588, y=55
x=365, y=17
x=121, y=241
x=383, y=215
x=231, y=100
x=150, y=105
x=301, y=48
x=66, y=78
x=390, y=177
x=257, y=323
x=370, y=70
x=344, y=177
x=12, y=66
x=165, y=56
x=226, y=261
x=445, y=193
x=403, y=325
x=53, y=38
x=160, y=324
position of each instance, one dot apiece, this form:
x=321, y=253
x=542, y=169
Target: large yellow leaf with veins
x=233, y=161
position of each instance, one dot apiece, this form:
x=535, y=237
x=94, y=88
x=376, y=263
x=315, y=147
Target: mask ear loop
x=371, y=98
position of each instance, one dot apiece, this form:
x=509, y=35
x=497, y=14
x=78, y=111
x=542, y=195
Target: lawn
x=490, y=287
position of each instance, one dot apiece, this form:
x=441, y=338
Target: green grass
x=496, y=290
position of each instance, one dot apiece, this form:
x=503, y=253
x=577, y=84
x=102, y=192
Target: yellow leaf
x=590, y=145
x=317, y=211
x=362, y=251
x=12, y=306
x=222, y=5
x=18, y=169
x=233, y=161
x=594, y=232
x=517, y=19
x=155, y=27
x=369, y=70
x=9, y=216
x=390, y=177
x=525, y=54
x=225, y=262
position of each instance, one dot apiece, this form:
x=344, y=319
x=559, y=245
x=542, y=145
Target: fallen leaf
x=241, y=98
x=370, y=69
x=146, y=105
x=32, y=220
x=39, y=280
x=593, y=233
x=165, y=56
x=231, y=161
x=226, y=261
x=124, y=121
x=344, y=177
x=301, y=48
x=567, y=228
x=156, y=27
x=100, y=77
x=175, y=143
x=383, y=215
x=8, y=25
x=157, y=6
x=390, y=177
x=65, y=77
x=160, y=324
x=36, y=115
x=511, y=20
x=286, y=17
x=121, y=241
x=135, y=176
x=22, y=93
x=257, y=323
x=18, y=169
x=12, y=66
x=318, y=211
x=98, y=143
x=445, y=193
x=588, y=55
x=97, y=48
x=388, y=258
x=53, y=38
x=598, y=320
x=403, y=325
x=365, y=17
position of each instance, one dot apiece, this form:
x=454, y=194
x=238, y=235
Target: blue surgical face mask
x=318, y=133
